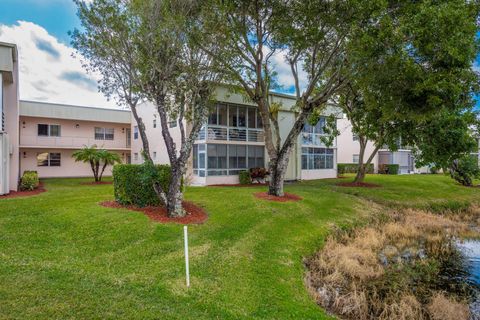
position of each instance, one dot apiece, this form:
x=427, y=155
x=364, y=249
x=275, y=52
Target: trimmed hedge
x=389, y=168
x=29, y=181
x=244, y=177
x=133, y=183
x=352, y=168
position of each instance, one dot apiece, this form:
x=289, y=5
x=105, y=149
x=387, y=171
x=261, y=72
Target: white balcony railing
x=230, y=134
x=70, y=142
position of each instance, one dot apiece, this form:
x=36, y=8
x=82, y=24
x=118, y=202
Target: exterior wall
x=73, y=134
x=148, y=113
x=67, y=168
x=9, y=69
x=347, y=147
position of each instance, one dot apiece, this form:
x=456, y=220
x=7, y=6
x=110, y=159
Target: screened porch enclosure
x=233, y=123
x=226, y=159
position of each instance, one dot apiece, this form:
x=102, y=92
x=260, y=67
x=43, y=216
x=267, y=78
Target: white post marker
x=187, y=271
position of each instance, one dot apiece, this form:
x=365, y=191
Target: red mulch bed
x=17, y=194
x=286, y=198
x=239, y=185
x=96, y=183
x=358, y=185
x=196, y=215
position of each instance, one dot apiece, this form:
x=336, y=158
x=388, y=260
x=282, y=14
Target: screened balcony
x=233, y=123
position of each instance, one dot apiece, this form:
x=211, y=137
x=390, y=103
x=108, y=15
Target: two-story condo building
x=232, y=140
x=50, y=133
x=349, y=151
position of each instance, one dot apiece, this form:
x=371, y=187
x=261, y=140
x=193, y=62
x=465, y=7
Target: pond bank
x=406, y=265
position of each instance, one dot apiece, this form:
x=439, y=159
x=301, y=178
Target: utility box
x=4, y=164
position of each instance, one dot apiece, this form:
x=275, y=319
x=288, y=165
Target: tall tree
x=408, y=64
x=309, y=35
x=106, y=44
x=445, y=138
x=143, y=49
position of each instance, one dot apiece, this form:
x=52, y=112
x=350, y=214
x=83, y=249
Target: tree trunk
x=278, y=168
x=103, y=170
x=175, y=194
x=92, y=165
x=360, y=176
x=362, y=167
x=97, y=169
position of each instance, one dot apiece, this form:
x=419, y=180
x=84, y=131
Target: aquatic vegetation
x=400, y=268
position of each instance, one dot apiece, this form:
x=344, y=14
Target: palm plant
x=96, y=158
x=108, y=158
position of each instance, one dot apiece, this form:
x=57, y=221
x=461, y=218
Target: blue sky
x=56, y=16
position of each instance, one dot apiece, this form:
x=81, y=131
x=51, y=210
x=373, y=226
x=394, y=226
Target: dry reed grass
x=347, y=275
x=443, y=308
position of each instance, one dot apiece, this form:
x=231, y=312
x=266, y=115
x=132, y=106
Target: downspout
x=2, y=124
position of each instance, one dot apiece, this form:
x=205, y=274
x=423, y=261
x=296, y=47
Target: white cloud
x=284, y=73
x=47, y=70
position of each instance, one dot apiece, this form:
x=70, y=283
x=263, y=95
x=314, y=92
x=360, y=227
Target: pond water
x=471, y=251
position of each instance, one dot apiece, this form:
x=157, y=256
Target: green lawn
x=64, y=256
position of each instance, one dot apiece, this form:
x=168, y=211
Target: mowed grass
x=420, y=191
x=62, y=256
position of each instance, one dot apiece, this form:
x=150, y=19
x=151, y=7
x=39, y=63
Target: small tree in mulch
x=98, y=159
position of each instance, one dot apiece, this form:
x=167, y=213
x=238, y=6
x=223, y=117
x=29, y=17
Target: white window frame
x=103, y=134
x=49, y=159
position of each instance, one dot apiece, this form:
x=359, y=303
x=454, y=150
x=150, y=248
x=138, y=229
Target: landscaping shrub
x=388, y=168
x=352, y=168
x=465, y=170
x=259, y=174
x=244, y=177
x=133, y=184
x=29, y=181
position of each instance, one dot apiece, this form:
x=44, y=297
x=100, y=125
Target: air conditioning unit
x=4, y=163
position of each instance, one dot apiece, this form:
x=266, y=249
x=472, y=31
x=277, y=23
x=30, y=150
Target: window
x=217, y=156
x=172, y=123
x=199, y=159
x=311, y=134
x=154, y=123
x=104, y=133
x=135, y=132
x=154, y=155
x=135, y=156
x=356, y=158
x=317, y=158
x=256, y=156
x=46, y=159
x=49, y=130
x=237, y=157
x=240, y=157
x=355, y=137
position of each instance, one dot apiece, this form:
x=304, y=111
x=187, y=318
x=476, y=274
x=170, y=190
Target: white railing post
x=187, y=269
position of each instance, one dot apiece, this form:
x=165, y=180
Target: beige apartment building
x=349, y=150
x=232, y=140
x=50, y=133
x=42, y=136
